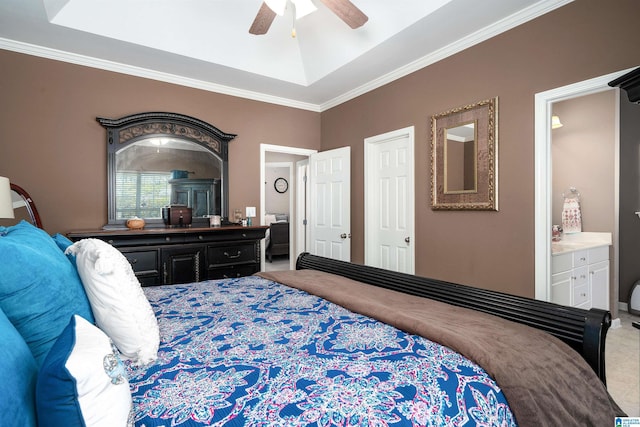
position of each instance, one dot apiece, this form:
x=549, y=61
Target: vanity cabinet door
x=561, y=288
x=182, y=264
x=599, y=284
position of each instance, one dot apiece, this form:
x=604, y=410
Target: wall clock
x=281, y=185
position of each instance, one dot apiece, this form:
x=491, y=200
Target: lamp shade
x=6, y=204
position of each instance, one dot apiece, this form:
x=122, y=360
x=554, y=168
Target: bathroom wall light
x=555, y=122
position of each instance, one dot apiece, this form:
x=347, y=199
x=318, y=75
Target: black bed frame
x=583, y=330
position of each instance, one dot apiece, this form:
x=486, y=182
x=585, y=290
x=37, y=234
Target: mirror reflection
x=460, y=159
x=157, y=159
x=155, y=172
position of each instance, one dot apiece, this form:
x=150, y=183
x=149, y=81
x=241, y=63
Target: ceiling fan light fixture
x=278, y=6
x=303, y=7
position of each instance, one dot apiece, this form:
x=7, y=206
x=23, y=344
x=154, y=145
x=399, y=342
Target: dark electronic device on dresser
x=177, y=216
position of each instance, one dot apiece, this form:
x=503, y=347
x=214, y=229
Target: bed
x=277, y=242
x=277, y=237
x=329, y=344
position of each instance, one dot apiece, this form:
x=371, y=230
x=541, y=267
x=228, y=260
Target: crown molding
x=479, y=36
x=102, y=64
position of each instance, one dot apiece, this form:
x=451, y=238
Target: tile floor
x=622, y=358
x=279, y=263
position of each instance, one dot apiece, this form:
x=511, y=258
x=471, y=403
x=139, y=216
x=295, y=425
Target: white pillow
x=119, y=306
x=82, y=382
x=269, y=218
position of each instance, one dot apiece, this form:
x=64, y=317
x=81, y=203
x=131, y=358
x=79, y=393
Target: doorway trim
x=264, y=148
x=543, y=178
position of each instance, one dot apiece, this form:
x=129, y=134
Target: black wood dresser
x=163, y=256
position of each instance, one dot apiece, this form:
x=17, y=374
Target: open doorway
x=544, y=106
x=282, y=203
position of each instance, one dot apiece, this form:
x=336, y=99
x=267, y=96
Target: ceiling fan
x=344, y=9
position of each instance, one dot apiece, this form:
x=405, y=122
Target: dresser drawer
x=580, y=276
x=233, y=271
x=580, y=294
x=143, y=261
x=232, y=254
x=598, y=254
x=580, y=258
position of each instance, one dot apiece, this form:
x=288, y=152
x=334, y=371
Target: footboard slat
x=583, y=330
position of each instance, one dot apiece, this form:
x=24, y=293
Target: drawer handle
x=583, y=259
x=233, y=256
x=200, y=237
x=133, y=260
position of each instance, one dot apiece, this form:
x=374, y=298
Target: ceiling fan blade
x=347, y=11
x=263, y=20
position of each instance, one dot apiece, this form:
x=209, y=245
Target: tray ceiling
x=206, y=43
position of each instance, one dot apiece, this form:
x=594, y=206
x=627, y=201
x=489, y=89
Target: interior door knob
x=407, y=239
x=343, y=236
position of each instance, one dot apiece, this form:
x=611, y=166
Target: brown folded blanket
x=545, y=381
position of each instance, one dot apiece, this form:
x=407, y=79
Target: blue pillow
x=82, y=381
x=18, y=371
x=63, y=243
x=39, y=288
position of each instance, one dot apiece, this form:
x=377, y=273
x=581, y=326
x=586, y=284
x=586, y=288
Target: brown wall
x=495, y=250
x=583, y=156
x=51, y=144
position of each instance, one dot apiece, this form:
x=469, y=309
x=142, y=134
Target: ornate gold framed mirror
x=464, y=157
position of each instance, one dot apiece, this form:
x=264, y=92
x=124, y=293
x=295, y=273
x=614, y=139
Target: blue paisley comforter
x=252, y=352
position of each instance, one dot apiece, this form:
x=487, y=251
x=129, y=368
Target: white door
x=330, y=194
x=389, y=201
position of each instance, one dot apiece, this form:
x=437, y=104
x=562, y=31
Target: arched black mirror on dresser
x=160, y=159
x=157, y=159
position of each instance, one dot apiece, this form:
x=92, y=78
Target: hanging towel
x=571, y=215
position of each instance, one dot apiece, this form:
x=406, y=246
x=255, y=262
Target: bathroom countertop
x=578, y=241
